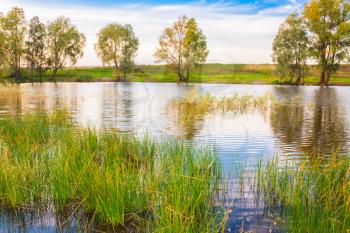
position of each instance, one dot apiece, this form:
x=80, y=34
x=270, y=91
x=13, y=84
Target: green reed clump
x=25, y=146
x=124, y=181
x=312, y=196
x=236, y=103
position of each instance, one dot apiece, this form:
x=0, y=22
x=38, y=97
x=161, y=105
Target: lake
x=318, y=126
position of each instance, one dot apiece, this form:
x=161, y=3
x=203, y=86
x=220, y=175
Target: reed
x=236, y=103
x=45, y=159
x=311, y=196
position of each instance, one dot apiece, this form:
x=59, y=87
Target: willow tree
x=183, y=46
x=117, y=45
x=328, y=23
x=65, y=44
x=12, y=30
x=36, y=46
x=290, y=48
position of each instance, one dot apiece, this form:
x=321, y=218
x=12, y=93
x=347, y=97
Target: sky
x=236, y=31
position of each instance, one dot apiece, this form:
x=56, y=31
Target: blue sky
x=259, y=3
x=236, y=31
x=262, y=3
x=254, y=5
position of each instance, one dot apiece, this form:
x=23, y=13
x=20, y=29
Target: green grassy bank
x=209, y=73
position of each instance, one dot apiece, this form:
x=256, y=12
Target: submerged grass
x=45, y=159
x=233, y=103
x=311, y=196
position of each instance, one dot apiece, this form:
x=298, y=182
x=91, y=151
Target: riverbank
x=209, y=73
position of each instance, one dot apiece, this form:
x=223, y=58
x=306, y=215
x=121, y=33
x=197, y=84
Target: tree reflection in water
x=316, y=126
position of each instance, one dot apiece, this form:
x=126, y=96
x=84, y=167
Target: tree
x=129, y=50
x=182, y=46
x=290, y=48
x=328, y=23
x=35, y=46
x=13, y=28
x=126, y=66
x=2, y=42
x=117, y=45
x=64, y=44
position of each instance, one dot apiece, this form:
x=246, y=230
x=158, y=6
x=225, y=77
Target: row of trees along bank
x=321, y=33
x=40, y=47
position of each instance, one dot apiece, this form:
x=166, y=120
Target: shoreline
x=208, y=73
x=110, y=80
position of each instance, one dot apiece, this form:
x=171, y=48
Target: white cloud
x=233, y=36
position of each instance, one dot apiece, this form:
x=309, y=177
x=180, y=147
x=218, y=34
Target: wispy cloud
x=236, y=32
x=291, y=7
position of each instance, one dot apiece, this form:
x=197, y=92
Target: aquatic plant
x=45, y=159
x=237, y=103
x=311, y=196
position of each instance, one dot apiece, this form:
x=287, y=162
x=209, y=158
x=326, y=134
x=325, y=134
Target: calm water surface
x=319, y=126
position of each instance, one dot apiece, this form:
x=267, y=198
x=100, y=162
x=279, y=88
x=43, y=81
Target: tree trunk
x=328, y=77
x=299, y=76
x=18, y=73
x=291, y=74
x=179, y=74
x=117, y=71
x=40, y=75
x=303, y=83
x=31, y=73
x=124, y=74
x=187, y=75
x=323, y=76
x=54, y=73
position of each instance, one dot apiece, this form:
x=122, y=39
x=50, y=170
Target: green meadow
x=208, y=73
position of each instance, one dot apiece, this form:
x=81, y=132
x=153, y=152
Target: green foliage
x=183, y=46
x=47, y=160
x=290, y=48
x=12, y=33
x=65, y=44
x=329, y=25
x=312, y=196
x=117, y=45
x=36, y=46
x=41, y=48
x=131, y=45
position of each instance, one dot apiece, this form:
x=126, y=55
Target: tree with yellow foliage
x=117, y=45
x=329, y=28
x=12, y=37
x=182, y=46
